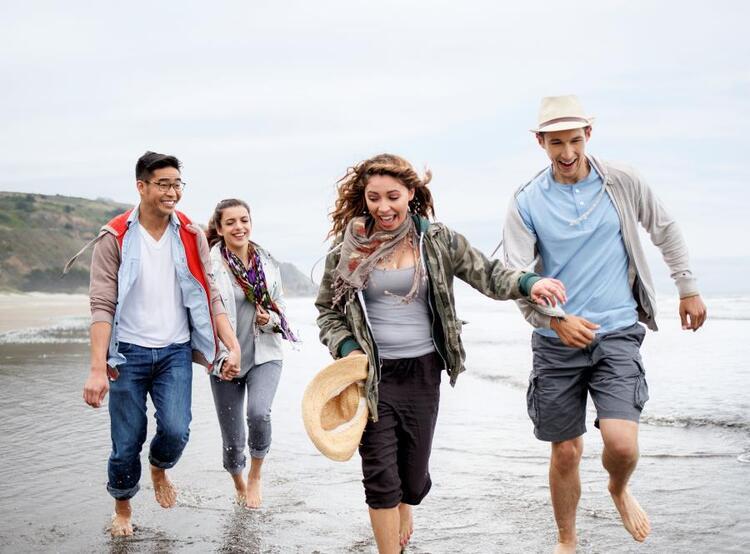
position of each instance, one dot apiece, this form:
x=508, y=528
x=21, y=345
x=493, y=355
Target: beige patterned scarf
x=361, y=252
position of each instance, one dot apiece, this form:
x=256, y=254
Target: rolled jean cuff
x=161, y=465
x=235, y=470
x=123, y=494
x=259, y=454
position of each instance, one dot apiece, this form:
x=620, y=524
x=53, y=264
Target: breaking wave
x=70, y=330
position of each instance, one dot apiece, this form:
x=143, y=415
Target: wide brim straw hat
x=561, y=113
x=334, y=409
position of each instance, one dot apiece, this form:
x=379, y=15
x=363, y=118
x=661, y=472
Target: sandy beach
x=490, y=490
x=37, y=309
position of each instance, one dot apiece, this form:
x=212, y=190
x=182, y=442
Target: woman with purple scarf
x=250, y=284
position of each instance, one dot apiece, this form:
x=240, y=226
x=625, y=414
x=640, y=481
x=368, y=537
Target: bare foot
x=633, y=517
x=565, y=548
x=121, y=526
x=406, y=524
x=253, y=496
x=239, y=488
x=164, y=490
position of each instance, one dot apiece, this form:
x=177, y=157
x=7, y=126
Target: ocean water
x=490, y=491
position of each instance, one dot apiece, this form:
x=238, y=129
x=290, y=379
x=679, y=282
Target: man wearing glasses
x=154, y=311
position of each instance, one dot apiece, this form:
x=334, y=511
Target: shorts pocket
x=641, y=387
x=532, y=406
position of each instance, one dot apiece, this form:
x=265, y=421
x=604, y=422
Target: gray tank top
x=245, y=320
x=400, y=330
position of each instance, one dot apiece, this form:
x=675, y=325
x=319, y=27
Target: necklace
x=390, y=260
x=585, y=215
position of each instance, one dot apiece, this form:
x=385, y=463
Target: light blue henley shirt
x=589, y=257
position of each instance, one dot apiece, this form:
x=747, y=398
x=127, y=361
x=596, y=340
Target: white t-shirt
x=153, y=315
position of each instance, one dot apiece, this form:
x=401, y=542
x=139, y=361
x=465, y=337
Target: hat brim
x=334, y=410
x=564, y=126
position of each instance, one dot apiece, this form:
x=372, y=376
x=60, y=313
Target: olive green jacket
x=446, y=255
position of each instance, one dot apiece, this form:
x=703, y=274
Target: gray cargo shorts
x=610, y=369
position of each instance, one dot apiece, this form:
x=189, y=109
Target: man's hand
x=548, y=291
x=574, y=331
x=96, y=386
x=693, y=312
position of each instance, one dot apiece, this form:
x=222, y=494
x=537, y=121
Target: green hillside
x=39, y=233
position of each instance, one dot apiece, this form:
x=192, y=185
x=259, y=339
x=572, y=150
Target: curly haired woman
x=387, y=292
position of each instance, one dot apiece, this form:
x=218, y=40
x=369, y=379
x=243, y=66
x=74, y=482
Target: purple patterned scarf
x=252, y=281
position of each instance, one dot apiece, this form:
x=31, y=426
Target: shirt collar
x=174, y=221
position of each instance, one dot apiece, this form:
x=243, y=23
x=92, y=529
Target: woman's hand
x=548, y=291
x=229, y=368
x=261, y=315
x=355, y=353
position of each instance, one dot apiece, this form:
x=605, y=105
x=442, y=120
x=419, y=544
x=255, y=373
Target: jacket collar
x=599, y=167
x=173, y=219
x=215, y=253
x=422, y=223
x=595, y=162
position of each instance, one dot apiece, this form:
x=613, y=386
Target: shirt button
x=581, y=203
x=578, y=190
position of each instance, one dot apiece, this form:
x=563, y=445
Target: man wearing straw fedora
x=577, y=221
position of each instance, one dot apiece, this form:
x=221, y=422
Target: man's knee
x=566, y=455
x=127, y=444
x=175, y=433
x=621, y=451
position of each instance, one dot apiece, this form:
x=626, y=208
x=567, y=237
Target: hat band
x=564, y=120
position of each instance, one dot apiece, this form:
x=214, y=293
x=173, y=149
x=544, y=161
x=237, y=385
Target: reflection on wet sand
x=490, y=489
x=243, y=531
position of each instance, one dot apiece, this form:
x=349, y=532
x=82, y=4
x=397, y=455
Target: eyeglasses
x=164, y=185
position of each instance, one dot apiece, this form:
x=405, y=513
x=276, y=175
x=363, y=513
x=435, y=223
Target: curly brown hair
x=351, y=189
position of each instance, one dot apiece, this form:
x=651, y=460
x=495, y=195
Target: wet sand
x=490, y=490
x=35, y=309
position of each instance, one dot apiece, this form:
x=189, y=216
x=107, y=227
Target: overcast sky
x=271, y=101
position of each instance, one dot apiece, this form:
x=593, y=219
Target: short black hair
x=152, y=161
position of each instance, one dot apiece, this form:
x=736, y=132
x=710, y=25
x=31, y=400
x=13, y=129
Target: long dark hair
x=214, y=223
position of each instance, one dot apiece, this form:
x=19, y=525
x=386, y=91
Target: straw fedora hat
x=334, y=410
x=560, y=113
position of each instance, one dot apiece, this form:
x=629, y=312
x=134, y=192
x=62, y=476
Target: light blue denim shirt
x=194, y=297
x=588, y=254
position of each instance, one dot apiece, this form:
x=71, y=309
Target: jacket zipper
x=361, y=300
x=626, y=242
x=197, y=283
x=430, y=300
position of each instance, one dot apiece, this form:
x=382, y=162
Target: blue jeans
x=259, y=384
x=167, y=375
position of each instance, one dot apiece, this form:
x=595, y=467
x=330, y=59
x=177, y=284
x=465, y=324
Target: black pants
x=395, y=451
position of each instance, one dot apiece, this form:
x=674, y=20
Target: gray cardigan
x=635, y=203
